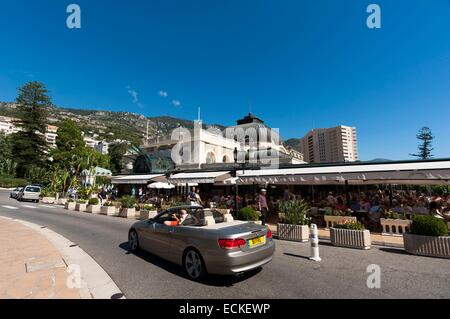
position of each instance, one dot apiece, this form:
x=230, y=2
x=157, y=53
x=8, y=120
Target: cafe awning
x=133, y=179
x=161, y=185
x=408, y=173
x=198, y=178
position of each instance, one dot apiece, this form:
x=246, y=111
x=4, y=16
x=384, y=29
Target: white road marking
x=9, y=207
x=28, y=206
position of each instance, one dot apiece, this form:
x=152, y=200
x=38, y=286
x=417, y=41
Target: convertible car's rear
x=241, y=247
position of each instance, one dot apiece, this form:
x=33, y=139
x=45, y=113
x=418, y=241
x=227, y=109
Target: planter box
x=94, y=209
x=427, y=245
x=359, y=239
x=80, y=207
x=109, y=211
x=395, y=227
x=289, y=232
x=48, y=200
x=146, y=214
x=70, y=206
x=333, y=220
x=61, y=201
x=129, y=213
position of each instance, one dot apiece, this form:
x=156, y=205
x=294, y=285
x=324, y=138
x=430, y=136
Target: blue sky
x=297, y=64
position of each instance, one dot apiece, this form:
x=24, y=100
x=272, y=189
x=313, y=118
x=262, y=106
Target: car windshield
x=33, y=189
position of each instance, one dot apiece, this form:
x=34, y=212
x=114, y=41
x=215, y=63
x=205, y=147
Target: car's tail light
x=232, y=243
x=269, y=233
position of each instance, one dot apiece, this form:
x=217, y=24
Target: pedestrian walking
x=192, y=196
x=262, y=205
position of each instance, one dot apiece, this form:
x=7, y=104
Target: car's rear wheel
x=194, y=265
x=133, y=240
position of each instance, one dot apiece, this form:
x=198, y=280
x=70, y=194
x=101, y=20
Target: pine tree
x=426, y=138
x=29, y=145
x=116, y=154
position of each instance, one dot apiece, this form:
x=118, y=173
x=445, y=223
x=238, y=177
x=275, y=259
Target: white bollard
x=314, y=243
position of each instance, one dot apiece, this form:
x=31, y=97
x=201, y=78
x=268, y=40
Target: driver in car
x=183, y=215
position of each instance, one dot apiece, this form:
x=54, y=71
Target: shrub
x=108, y=204
x=94, y=201
x=46, y=192
x=248, y=213
x=222, y=206
x=70, y=200
x=149, y=207
x=128, y=202
x=137, y=207
x=81, y=201
x=295, y=212
x=350, y=225
x=11, y=182
x=329, y=211
x=393, y=215
x=428, y=226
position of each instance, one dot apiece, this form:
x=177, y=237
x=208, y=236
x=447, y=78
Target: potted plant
x=48, y=196
x=128, y=207
x=394, y=224
x=94, y=206
x=294, y=220
x=109, y=209
x=350, y=234
x=148, y=211
x=70, y=204
x=249, y=214
x=81, y=205
x=334, y=216
x=429, y=236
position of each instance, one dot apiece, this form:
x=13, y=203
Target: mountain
x=109, y=125
x=293, y=143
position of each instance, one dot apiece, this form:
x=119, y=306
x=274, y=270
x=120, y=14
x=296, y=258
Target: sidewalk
x=30, y=266
x=377, y=239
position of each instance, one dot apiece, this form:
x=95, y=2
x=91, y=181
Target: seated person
x=375, y=214
x=420, y=208
x=183, y=218
x=397, y=207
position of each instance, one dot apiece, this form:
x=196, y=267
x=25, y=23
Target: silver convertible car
x=204, y=242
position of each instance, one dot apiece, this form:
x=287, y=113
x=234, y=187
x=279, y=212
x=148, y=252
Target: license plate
x=257, y=241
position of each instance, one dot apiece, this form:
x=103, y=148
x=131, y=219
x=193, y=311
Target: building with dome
x=250, y=141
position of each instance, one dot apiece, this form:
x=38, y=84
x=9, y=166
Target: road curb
x=95, y=282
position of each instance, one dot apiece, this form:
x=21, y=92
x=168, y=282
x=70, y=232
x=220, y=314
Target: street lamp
x=235, y=154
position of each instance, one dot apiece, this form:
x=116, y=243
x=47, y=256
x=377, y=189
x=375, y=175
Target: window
x=32, y=189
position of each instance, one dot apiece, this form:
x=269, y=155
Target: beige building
x=330, y=145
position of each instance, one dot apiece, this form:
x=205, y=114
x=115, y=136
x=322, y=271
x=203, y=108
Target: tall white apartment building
x=90, y=142
x=330, y=145
x=50, y=135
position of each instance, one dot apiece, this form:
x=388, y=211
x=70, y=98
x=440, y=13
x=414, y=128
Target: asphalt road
x=341, y=274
